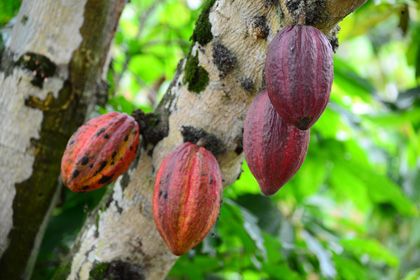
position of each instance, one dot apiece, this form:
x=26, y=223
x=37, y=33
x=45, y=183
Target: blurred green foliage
x=8, y=9
x=351, y=212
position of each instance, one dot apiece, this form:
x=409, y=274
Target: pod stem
x=302, y=14
x=201, y=142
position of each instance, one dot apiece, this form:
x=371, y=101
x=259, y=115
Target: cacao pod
x=274, y=149
x=299, y=74
x=99, y=152
x=186, y=200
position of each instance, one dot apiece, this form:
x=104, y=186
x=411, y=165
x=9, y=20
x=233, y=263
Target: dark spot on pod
x=71, y=142
x=131, y=148
x=303, y=122
x=91, y=165
x=85, y=188
x=100, y=131
x=106, y=136
x=76, y=173
x=213, y=234
x=126, y=138
x=165, y=195
x=121, y=158
x=103, y=164
x=211, y=179
x=160, y=182
x=105, y=179
x=135, y=132
x=160, y=194
x=112, y=163
x=85, y=160
x=114, y=154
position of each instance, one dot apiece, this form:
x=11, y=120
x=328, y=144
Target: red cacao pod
x=99, y=152
x=274, y=149
x=299, y=74
x=186, y=200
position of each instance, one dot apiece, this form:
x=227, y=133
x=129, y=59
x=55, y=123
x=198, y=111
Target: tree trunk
x=209, y=95
x=51, y=75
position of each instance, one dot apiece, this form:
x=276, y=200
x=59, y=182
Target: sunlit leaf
x=373, y=248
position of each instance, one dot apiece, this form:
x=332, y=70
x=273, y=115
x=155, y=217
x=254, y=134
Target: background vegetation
x=351, y=212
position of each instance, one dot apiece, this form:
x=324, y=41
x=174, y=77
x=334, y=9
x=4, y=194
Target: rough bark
x=209, y=95
x=50, y=75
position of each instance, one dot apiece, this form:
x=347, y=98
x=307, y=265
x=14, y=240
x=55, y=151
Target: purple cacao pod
x=299, y=74
x=274, y=149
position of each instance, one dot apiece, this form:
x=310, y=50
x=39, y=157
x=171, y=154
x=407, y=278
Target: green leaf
x=273, y=247
x=148, y=68
x=119, y=103
x=246, y=183
x=8, y=9
x=371, y=247
x=250, y=226
x=324, y=257
x=349, y=268
x=280, y=272
x=186, y=268
x=230, y=227
x=350, y=186
x=311, y=175
x=353, y=83
x=413, y=275
x=395, y=119
x=206, y=264
x=262, y=207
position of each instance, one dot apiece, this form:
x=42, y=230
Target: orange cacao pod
x=99, y=152
x=186, y=200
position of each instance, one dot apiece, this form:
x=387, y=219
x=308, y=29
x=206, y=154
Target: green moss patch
x=99, y=271
x=62, y=272
x=202, y=32
x=196, y=76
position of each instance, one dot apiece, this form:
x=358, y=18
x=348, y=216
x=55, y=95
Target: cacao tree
x=53, y=68
x=52, y=74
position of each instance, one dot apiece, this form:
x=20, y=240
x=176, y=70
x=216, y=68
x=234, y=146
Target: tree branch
x=211, y=91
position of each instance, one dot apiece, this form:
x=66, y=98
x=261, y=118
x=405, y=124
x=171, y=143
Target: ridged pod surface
x=99, y=152
x=299, y=74
x=274, y=149
x=186, y=200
